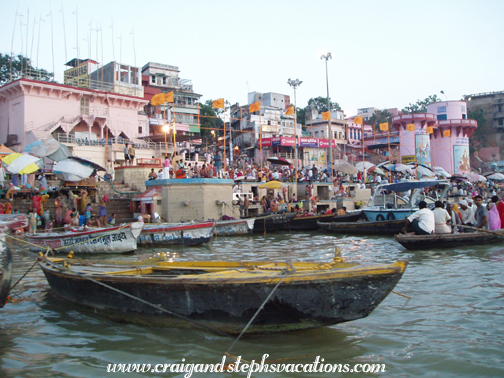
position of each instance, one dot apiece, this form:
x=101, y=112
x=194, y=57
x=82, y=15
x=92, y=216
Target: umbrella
x=49, y=148
x=72, y=170
x=278, y=160
x=21, y=164
x=346, y=168
x=364, y=165
x=376, y=170
x=274, y=184
x=475, y=177
x=425, y=171
x=401, y=168
x=496, y=177
x=440, y=171
x=87, y=162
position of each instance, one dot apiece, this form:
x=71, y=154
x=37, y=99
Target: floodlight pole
x=329, y=160
x=294, y=84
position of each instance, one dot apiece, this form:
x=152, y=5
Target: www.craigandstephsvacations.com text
x=317, y=366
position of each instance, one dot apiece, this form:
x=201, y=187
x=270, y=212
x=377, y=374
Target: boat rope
x=402, y=295
x=24, y=275
x=284, y=274
x=157, y=307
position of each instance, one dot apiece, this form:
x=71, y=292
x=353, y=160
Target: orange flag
x=157, y=99
x=358, y=120
x=447, y=133
x=326, y=116
x=384, y=126
x=429, y=130
x=169, y=97
x=410, y=127
x=256, y=106
x=290, y=111
x=218, y=104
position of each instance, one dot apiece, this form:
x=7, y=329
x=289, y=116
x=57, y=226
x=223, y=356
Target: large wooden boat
x=225, y=295
x=308, y=222
x=234, y=227
x=365, y=228
x=121, y=239
x=436, y=241
x=190, y=233
x=272, y=221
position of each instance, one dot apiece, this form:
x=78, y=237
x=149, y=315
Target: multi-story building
x=163, y=78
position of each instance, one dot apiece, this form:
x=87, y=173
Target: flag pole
x=174, y=128
x=390, y=167
x=363, y=160
x=225, y=165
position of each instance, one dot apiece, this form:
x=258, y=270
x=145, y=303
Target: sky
x=385, y=54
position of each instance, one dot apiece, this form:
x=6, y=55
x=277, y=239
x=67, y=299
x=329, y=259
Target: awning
x=149, y=195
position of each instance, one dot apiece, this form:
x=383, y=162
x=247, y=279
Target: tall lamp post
x=327, y=57
x=294, y=84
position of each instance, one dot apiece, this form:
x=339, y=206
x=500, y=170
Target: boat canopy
x=409, y=185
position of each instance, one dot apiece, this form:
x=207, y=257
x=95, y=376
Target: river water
x=451, y=327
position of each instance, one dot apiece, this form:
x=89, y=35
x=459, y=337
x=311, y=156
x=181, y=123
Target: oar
x=480, y=229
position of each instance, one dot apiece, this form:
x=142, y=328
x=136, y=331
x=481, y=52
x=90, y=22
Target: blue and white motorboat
x=399, y=200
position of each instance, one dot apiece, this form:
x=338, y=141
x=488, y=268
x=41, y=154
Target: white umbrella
x=21, y=164
x=496, y=176
x=440, y=171
x=72, y=170
x=424, y=171
x=346, y=168
x=364, y=165
x=49, y=148
x=402, y=168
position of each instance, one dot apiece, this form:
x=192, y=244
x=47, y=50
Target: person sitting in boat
x=494, y=220
x=274, y=206
x=93, y=222
x=481, y=214
x=422, y=221
x=455, y=217
x=442, y=219
x=342, y=211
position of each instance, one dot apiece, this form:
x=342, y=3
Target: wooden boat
x=119, y=239
x=225, y=295
x=9, y=223
x=436, y=241
x=350, y=216
x=272, y=221
x=191, y=233
x=234, y=227
x=365, y=228
x=307, y=222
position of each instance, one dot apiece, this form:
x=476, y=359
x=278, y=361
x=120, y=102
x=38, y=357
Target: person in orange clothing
x=8, y=207
x=180, y=174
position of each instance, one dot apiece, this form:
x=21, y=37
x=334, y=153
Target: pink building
x=33, y=110
x=448, y=144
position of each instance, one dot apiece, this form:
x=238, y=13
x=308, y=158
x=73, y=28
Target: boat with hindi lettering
x=438, y=241
x=121, y=239
x=190, y=233
x=225, y=295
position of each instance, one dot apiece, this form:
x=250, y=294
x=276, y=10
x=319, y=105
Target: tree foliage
x=421, y=105
x=300, y=116
x=477, y=139
x=321, y=104
x=379, y=116
x=21, y=67
x=208, y=122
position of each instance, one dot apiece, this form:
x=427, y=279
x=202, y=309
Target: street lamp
x=294, y=84
x=327, y=57
x=445, y=95
x=166, y=128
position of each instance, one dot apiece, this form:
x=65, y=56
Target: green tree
x=321, y=104
x=21, y=67
x=300, y=116
x=421, y=105
x=208, y=122
x=379, y=116
x=477, y=139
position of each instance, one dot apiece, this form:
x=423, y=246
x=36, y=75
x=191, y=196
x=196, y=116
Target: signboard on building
x=461, y=159
x=422, y=149
x=77, y=76
x=324, y=143
x=265, y=142
x=408, y=159
x=308, y=142
x=282, y=141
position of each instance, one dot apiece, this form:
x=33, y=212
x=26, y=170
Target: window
x=153, y=79
x=316, y=134
x=164, y=80
x=84, y=105
x=499, y=108
x=441, y=117
x=501, y=121
x=139, y=129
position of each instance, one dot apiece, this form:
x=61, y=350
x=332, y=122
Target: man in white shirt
x=466, y=212
x=442, y=219
x=378, y=179
x=422, y=221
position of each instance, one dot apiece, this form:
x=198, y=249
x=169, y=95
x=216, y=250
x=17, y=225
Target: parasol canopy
x=278, y=160
x=496, y=176
x=376, y=170
x=395, y=167
x=346, y=168
x=274, y=184
x=21, y=164
x=72, y=170
x=364, y=165
x=87, y=162
x=5, y=150
x=440, y=171
x=49, y=148
x=475, y=177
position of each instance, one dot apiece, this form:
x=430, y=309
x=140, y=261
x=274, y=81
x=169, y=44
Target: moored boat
x=437, y=241
x=272, y=221
x=225, y=295
x=234, y=227
x=365, y=228
x=121, y=239
x=307, y=222
x=5, y=270
x=190, y=233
